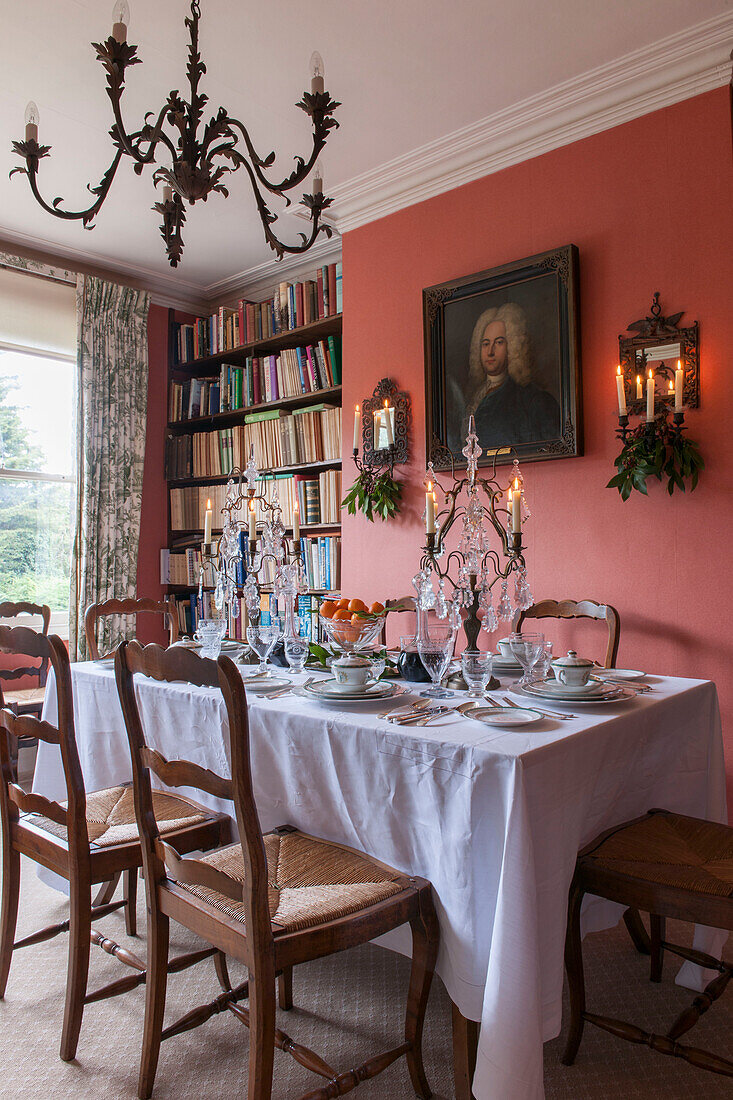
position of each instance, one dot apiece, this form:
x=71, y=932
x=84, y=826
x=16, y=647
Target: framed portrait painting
x=503, y=346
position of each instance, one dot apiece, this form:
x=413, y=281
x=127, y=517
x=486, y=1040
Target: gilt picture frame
x=503, y=345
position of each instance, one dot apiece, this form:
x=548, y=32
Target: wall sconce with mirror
x=382, y=425
x=658, y=373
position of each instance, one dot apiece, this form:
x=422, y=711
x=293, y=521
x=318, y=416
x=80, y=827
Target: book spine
x=332, y=288
x=339, y=287
x=319, y=293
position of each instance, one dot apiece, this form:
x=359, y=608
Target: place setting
x=573, y=680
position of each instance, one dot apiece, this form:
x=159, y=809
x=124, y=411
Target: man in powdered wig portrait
x=509, y=408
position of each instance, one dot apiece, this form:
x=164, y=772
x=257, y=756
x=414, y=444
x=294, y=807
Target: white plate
x=265, y=683
x=619, y=696
x=618, y=674
x=326, y=689
x=554, y=687
x=505, y=662
x=505, y=716
x=346, y=700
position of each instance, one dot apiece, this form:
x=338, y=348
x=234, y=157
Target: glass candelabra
x=475, y=567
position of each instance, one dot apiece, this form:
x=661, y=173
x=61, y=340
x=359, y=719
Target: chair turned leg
x=106, y=891
x=425, y=940
x=261, y=1034
x=637, y=931
x=131, y=901
x=285, y=989
x=657, y=951
x=574, y=969
x=8, y=921
x=222, y=971
x=155, y=990
x=80, y=925
x=465, y=1046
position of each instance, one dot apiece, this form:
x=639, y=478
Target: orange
x=356, y=620
x=342, y=614
x=357, y=605
x=328, y=607
x=342, y=605
x=377, y=608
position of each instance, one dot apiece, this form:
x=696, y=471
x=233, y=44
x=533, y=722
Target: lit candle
x=639, y=388
x=621, y=392
x=650, y=395
x=207, y=522
x=388, y=424
x=296, y=522
x=679, y=378
x=517, y=508
x=357, y=425
x=430, y=510
x=252, y=522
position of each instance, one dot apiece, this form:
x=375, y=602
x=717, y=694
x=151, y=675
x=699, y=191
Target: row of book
x=280, y=437
x=292, y=306
x=319, y=497
x=262, y=379
x=191, y=609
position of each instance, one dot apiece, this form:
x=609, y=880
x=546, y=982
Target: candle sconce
x=383, y=423
x=658, y=350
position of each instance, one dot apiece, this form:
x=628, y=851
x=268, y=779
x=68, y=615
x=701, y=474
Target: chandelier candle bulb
x=639, y=388
x=650, y=396
x=317, y=73
x=252, y=522
x=120, y=19
x=357, y=425
x=517, y=509
x=318, y=177
x=167, y=194
x=679, y=377
x=32, y=119
x=621, y=392
x=388, y=424
x=430, y=510
x=208, y=518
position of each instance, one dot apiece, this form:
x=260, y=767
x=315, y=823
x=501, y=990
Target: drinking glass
x=209, y=634
x=436, y=649
x=262, y=640
x=544, y=662
x=476, y=672
x=378, y=660
x=527, y=649
x=296, y=652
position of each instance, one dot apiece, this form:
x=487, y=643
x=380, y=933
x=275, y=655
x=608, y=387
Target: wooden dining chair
x=270, y=901
x=667, y=865
x=26, y=700
x=90, y=838
x=131, y=606
x=580, y=609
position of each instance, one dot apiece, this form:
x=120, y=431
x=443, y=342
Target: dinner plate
x=605, y=691
x=618, y=674
x=265, y=683
x=343, y=700
x=505, y=716
x=618, y=696
x=554, y=687
x=327, y=689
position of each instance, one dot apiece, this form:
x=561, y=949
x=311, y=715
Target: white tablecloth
x=492, y=818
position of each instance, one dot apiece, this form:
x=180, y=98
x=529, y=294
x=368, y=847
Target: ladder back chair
x=28, y=700
x=132, y=606
x=667, y=865
x=269, y=901
x=580, y=609
x=90, y=838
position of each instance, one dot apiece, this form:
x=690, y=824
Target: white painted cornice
x=673, y=69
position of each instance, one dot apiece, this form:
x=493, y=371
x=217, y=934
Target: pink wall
x=649, y=206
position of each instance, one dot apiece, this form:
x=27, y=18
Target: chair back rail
x=578, y=609
x=13, y=610
x=24, y=642
x=130, y=606
x=184, y=666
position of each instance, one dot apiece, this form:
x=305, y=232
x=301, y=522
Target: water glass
x=436, y=650
x=296, y=652
x=527, y=649
x=544, y=662
x=209, y=635
x=476, y=669
x=378, y=661
x=262, y=640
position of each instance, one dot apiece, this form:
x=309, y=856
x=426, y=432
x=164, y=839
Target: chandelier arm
x=32, y=158
x=296, y=177
x=267, y=218
x=151, y=135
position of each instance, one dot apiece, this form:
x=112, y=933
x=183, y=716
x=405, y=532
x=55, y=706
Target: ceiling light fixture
x=198, y=165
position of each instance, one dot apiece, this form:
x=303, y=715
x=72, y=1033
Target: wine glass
x=476, y=669
x=435, y=647
x=296, y=652
x=527, y=649
x=262, y=640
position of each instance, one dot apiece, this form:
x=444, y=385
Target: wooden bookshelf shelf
x=305, y=528
x=293, y=338
x=221, y=479
x=332, y=395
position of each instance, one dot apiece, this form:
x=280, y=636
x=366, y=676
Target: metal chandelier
x=198, y=165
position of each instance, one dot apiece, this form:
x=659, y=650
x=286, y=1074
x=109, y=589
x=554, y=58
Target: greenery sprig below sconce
x=373, y=495
x=659, y=450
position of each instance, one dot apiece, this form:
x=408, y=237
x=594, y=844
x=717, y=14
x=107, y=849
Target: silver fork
x=422, y=719
x=420, y=704
x=547, y=713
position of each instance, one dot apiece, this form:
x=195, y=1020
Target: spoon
x=393, y=714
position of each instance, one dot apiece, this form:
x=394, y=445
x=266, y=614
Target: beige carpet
x=347, y=1008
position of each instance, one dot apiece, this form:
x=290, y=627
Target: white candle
x=357, y=426
x=388, y=424
x=430, y=510
x=650, y=396
x=679, y=378
x=621, y=392
x=296, y=522
x=208, y=518
x=252, y=521
x=639, y=388
x=517, y=509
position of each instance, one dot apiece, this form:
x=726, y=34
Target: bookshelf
x=213, y=435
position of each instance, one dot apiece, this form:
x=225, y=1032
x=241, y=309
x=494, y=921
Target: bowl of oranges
x=350, y=625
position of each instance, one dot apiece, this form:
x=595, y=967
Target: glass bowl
x=350, y=637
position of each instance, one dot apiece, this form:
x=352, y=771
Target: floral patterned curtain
x=112, y=393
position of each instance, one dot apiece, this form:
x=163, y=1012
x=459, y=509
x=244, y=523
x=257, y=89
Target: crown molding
x=261, y=281
x=674, y=68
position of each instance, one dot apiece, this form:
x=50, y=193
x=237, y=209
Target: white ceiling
x=434, y=93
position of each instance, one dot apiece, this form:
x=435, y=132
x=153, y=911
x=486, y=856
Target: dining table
x=492, y=817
